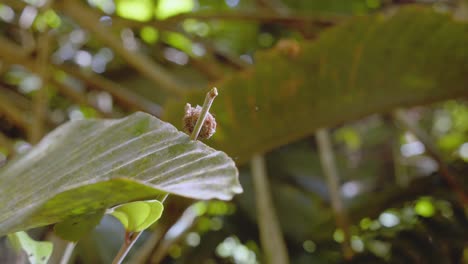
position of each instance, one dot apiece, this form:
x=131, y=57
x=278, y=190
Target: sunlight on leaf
x=149, y=35
x=424, y=207
x=167, y=8
x=138, y=216
x=140, y=10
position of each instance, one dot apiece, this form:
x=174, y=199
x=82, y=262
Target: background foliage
x=284, y=69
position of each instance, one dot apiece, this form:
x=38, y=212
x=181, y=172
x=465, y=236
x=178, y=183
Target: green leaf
x=367, y=65
x=89, y=165
x=138, y=216
x=167, y=8
x=141, y=10
x=38, y=252
x=75, y=228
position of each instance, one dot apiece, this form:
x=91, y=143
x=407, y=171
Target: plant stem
x=11, y=112
x=260, y=16
x=78, y=97
x=327, y=160
x=142, y=63
x=432, y=150
x=67, y=254
x=130, y=239
x=271, y=237
x=40, y=98
x=210, y=96
x=124, y=96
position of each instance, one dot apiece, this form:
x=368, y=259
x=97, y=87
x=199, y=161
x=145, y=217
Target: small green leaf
x=138, y=216
x=75, y=228
x=38, y=251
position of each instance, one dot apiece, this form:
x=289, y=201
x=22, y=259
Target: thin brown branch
x=271, y=237
x=231, y=60
x=13, y=54
x=122, y=95
x=6, y=143
x=129, y=240
x=143, y=253
x=327, y=159
x=13, y=114
x=15, y=4
x=259, y=16
x=403, y=119
x=40, y=97
x=21, y=102
x=275, y=6
x=174, y=234
x=77, y=97
x=90, y=21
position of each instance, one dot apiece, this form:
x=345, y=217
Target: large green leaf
x=366, y=65
x=85, y=166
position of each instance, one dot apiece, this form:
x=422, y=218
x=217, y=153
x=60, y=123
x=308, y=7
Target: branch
x=259, y=16
x=7, y=144
x=122, y=95
x=327, y=160
x=174, y=234
x=275, y=6
x=21, y=102
x=402, y=118
x=40, y=97
x=144, y=251
x=90, y=21
x=15, y=4
x=13, y=114
x=232, y=60
x=13, y=54
x=271, y=237
x=77, y=97
x=129, y=240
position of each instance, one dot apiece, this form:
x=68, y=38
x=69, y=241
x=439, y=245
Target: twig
x=140, y=62
x=129, y=240
x=271, y=237
x=15, y=4
x=174, y=234
x=327, y=160
x=231, y=60
x=275, y=6
x=210, y=96
x=7, y=144
x=21, y=102
x=259, y=16
x=13, y=54
x=40, y=98
x=402, y=118
x=122, y=95
x=13, y=114
x=144, y=252
x=68, y=252
x=77, y=97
